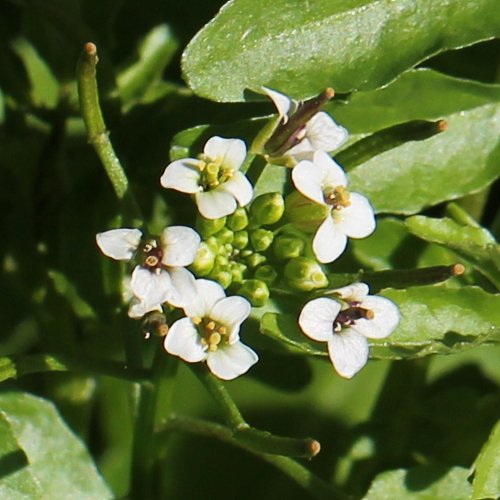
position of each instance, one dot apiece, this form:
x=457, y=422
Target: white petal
x=348, y=352
x=356, y=292
x=182, y=175
x=216, y=203
x=317, y=317
x=232, y=151
x=283, y=103
x=329, y=242
x=183, y=290
x=386, y=318
x=180, y=245
x=303, y=150
x=307, y=179
x=184, y=341
x=138, y=309
x=356, y=220
x=208, y=293
x=231, y=360
x=324, y=134
x=231, y=312
x=119, y=244
x=239, y=187
x=332, y=173
x=150, y=287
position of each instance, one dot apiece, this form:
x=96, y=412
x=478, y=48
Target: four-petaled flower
x=346, y=324
x=214, y=178
x=210, y=332
x=324, y=182
x=319, y=133
x=160, y=276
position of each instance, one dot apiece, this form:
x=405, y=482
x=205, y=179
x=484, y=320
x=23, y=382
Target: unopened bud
x=238, y=271
x=240, y=240
x=208, y=227
x=255, y=291
x=304, y=213
x=222, y=276
x=254, y=260
x=267, y=274
x=238, y=220
x=225, y=235
x=204, y=261
x=267, y=209
x=261, y=239
x=288, y=247
x=305, y=274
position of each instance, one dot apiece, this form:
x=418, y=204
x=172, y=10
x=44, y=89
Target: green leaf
x=350, y=45
x=460, y=160
x=475, y=244
x=436, y=482
x=486, y=483
x=44, y=458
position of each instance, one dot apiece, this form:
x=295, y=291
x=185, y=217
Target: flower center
x=213, y=172
x=338, y=198
x=211, y=332
x=152, y=254
x=348, y=317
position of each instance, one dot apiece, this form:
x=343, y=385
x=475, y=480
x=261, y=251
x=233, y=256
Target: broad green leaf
x=486, y=483
x=429, y=482
x=55, y=464
x=350, y=45
x=474, y=244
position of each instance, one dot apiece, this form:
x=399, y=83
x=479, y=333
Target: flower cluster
x=244, y=246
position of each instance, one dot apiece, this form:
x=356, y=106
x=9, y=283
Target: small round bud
x=225, y=235
x=221, y=261
x=238, y=271
x=213, y=244
x=238, y=220
x=222, y=276
x=305, y=274
x=267, y=209
x=240, y=240
x=288, y=247
x=261, y=239
x=267, y=274
x=208, y=227
x=254, y=260
x=204, y=261
x=255, y=291
x=304, y=213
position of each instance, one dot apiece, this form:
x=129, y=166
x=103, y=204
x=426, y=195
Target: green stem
x=18, y=366
x=96, y=128
x=314, y=485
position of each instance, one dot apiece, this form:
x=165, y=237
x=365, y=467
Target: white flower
x=324, y=182
x=346, y=325
x=215, y=180
x=210, y=332
x=320, y=133
x=161, y=276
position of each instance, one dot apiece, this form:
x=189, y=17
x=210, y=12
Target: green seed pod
x=305, y=274
x=304, y=213
x=267, y=274
x=225, y=235
x=267, y=209
x=255, y=291
x=254, y=260
x=261, y=239
x=288, y=247
x=240, y=240
x=204, y=261
x=238, y=220
x=208, y=227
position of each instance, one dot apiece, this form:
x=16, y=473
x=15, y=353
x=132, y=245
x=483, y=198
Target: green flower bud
x=240, y=240
x=238, y=220
x=225, y=235
x=204, y=261
x=256, y=259
x=238, y=271
x=213, y=244
x=221, y=261
x=288, y=247
x=246, y=252
x=304, y=213
x=305, y=274
x=208, y=227
x=255, y=291
x=267, y=274
x=261, y=239
x=222, y=276
x=267, y=209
